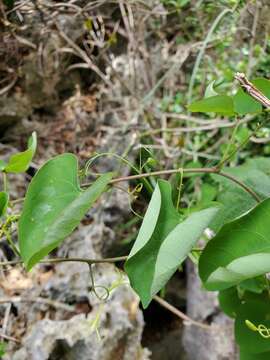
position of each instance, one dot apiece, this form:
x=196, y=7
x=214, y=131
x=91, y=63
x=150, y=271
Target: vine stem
x=204, y=46
x=74, y=259
x=180, y=314
x=5, y=182
x=190, y=171
x=9, y=338
x=136, y=177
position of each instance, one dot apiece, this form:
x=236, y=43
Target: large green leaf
x=20, y=162
x=4, y=198
x=220, y=104
x=245, y=104
x=54, y=206
x=240, y=251
x=162, y=243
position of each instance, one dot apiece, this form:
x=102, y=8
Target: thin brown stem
x=9, y=338
x=58, y=260
x=240, y=183
x=180, y=314
x=190, y=171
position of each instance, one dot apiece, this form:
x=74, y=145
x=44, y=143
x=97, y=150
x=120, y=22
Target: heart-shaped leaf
x=220, y=104
x=54, y=205
x=4, y=198
x=240, y=251
x=20, y=162
x=162, y=243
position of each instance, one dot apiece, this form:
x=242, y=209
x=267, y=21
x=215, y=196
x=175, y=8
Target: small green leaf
x=220, y=104
x=210, y=91
x=2, y=349
x=162, y=243
x=4, y=198
x=245, y=104
x=2, y=165
x=240, y=251
x=54, y=206
x=20, y=162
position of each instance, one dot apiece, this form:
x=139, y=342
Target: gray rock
x=202, y=306
x=116, y=336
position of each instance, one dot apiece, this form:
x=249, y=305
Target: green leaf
x=240, y=251
x=54, y=206
x=256, y=285
x=229, y=301
x=162, y=243
x=20, y=162
x=247, y=356
x=257, y=311
x=4, y=198
x=263, y=85
x=220, y=104
x=236, y=201
x=243, y=308
x=210, y=91
x=208, y=193
x=2, y=165
x=259, y=163
x=245, y=104
x=2, y=349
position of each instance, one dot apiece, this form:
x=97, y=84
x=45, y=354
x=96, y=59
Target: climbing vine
x=235, y=262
